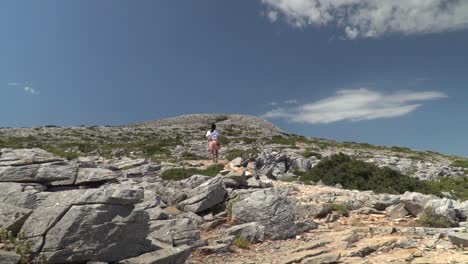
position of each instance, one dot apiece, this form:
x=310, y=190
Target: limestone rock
x=90, y=175
x=176, y=255
x=84, y=232
x=20, y=194
x=7, y=257
x=205, y=196
x=270, y=209
x=12, y=218
x=415, y=202
x=397, y=211
x=21, y=157
x=253, y=232
x=459, y=239
x=174, y=232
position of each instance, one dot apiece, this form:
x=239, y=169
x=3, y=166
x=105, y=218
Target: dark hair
x=213, y=127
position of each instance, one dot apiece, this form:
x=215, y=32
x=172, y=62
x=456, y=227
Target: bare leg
x=216, y=156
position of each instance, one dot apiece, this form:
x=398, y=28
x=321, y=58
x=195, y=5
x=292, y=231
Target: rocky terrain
x=146, y=193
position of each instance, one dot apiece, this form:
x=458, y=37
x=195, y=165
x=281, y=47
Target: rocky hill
x=146, y=193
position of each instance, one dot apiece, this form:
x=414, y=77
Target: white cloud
x=273, y=103
x=26, y=87
x=355, y=105
x=374, y=18
x=291, y=101
x=30, y=90
x=272, y=15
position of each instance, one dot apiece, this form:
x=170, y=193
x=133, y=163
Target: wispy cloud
x=373, y=18
x=291, y=101
x=355, y=105
x=26, y=87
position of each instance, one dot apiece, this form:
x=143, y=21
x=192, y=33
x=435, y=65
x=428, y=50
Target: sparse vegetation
x=340, y=208
x=178, y=174
x=287, y=140
x=359, y=175
x=18, y=244
x=241, y=242
x=430, y=219
x=309, y=153
x=234, y=153
x=460, y=163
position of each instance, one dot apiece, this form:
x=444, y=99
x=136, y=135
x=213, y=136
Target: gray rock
x=57, y=173
x=20, y=194
x=191, y=215
x=90, y=175
x=216, y=248
x=84, y=232
x=269, y=208
x=415, y=202
x=25, y=173
x=21, y=157
x=174, y=232
x=123, y=163
x=397, y=211
x=237, y=162
x=313, y=210
x=380, y=202
x=8, y=257
x=328, y=258
x=176, y=255
x=205, y=196
x=195, y=180
x=12, y=218
x=257, y=183
x=253, y=232
x=462, y=211
x=443, y=207
x=157, y=213
x=459, y=239
x=142, y=170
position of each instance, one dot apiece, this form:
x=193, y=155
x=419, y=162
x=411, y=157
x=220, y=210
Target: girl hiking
x=213, y=136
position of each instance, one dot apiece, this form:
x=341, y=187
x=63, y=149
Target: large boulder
x=57, y=173
x=205, y=196
x=414, y=202
x=443, y=207
x=397, y=211
x=270, y=208
x=84, y=233
x=76, y=225
x=462, y=210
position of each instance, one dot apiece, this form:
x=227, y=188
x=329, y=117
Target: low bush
x=359, y=175
x=234, y=153
x=342, y=209
x=289, y=140
x=460, y=163
x=241, y=242
x=430, y=219
x=309, y=153
x=19, y=245
x=178, y=174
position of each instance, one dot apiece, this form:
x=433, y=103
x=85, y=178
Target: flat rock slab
x=90, y=175
x=20, y=157
x=8, y=257
x=297, y=257
x=176, y=255
x=458, y=239
x=12, y=218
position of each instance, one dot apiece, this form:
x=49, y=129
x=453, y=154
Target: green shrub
x=342, y=209
x=460, y=163
x=309, y=153
x=241, y=242
x=18, y=244
x=289, y=140
x=430, y=219
x=359, y=175
x=178, y=174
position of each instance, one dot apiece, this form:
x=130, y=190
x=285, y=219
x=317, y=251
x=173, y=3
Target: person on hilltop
x=213, y=136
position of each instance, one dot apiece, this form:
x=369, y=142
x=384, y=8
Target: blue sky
x=388, y=74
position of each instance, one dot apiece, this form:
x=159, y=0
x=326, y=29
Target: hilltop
x=147, y=193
